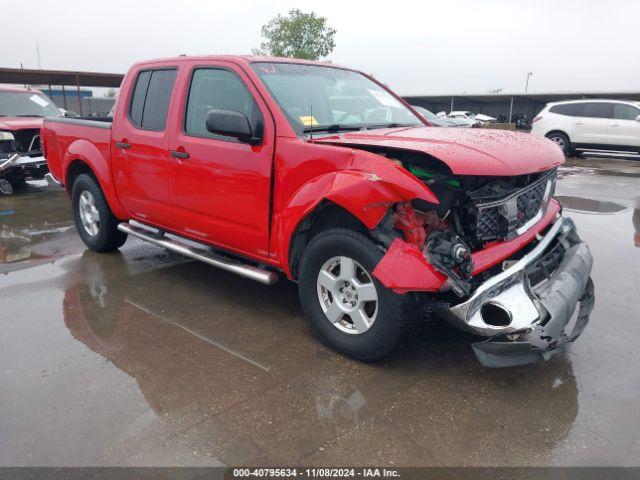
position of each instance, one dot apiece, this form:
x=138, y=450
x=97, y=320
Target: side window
x=217, y=89
x=151, y=98
x=137, y=99
x=622, y=111
x=569, y=109
x=598, y=110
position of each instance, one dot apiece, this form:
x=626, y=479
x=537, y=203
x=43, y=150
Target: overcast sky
x=426, y=47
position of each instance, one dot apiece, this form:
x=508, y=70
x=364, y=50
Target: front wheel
x=95, y=222
x=349, y=309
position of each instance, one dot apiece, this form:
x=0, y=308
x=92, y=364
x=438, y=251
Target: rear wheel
x=96, y=224
x=349, y=309
x=562, y=141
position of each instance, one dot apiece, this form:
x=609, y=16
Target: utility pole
x=526, y=85
x=38, y=55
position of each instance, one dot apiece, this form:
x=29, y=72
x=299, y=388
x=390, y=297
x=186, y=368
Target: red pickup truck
x=268, y=166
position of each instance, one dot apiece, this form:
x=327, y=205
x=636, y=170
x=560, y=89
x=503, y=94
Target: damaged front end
x=528, y=311
x=21, y=157
x=496, y=259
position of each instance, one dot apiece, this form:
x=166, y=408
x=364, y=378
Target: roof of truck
x=240, y=59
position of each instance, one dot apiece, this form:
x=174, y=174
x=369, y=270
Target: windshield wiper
x=334, y=127
x=29, y=115
x=392, y=125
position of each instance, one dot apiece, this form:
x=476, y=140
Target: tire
x=562, y=140
x=100, y=233
x=388, y=323
x=18, y=182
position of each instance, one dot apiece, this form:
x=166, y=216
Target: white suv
x=591, y=125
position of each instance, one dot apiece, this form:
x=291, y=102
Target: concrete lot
x=145, y=358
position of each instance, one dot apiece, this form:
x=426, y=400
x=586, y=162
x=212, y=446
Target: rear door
x=140, y=147
x=221, y=187
x=624, y=127
x=591, y=124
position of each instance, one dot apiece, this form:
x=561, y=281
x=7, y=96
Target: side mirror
x=231, y=124
x=638, y=118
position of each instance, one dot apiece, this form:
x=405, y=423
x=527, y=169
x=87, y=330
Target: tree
x=298, y=35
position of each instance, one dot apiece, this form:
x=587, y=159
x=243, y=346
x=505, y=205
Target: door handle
x=613, y=124
x=179, y=154
x=578, y=123
x=123, y=145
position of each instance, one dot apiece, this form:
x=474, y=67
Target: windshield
x=428, y=114
x=26, y=104
x=316, y=98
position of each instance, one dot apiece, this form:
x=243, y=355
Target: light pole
x=526, y=85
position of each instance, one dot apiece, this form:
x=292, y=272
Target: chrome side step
x=200, y=253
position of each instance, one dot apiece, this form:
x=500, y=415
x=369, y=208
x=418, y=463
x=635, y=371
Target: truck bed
x=84, y=136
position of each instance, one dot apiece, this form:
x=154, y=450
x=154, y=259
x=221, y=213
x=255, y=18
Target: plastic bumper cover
x=539, y=316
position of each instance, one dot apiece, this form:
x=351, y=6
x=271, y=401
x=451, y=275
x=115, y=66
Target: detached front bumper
x=527, y=310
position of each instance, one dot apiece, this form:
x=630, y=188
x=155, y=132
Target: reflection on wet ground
x=145, y=358
x=35, y=225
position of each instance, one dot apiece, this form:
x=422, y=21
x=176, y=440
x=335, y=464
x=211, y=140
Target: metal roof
x=60, y=77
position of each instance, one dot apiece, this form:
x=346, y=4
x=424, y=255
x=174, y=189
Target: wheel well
x=326, y=215
x=558, y=131
x=76, y=168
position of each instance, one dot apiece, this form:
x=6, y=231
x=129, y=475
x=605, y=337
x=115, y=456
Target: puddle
x=590, y=205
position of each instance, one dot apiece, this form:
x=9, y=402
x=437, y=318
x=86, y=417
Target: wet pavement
x=145, y=358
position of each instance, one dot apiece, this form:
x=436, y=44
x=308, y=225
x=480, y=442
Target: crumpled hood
x=20, y=123
x=467, y=151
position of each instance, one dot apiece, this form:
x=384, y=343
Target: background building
x=495, y=104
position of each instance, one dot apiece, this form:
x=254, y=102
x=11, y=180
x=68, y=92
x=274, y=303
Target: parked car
x=470, y=116
x=21, y=112
x=433, y=119
x=591, y=125
x=266, y=166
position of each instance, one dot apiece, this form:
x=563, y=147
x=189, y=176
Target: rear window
x=151, y=98
x=622, y=111
x=569, y=109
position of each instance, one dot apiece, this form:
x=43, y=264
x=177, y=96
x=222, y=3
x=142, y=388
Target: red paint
x=410, y=224
x=250, y=199
x=404, y=269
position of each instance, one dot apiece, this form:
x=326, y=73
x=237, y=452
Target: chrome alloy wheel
x=347, y=295
x=89, y=215
x=558, y=140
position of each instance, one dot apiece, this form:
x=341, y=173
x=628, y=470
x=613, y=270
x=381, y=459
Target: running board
x=203, y=254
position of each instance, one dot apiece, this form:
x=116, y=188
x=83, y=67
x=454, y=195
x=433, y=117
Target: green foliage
x=298, y=35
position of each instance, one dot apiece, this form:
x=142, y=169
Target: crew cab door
x=220, y=186
x=624, y=127
x=591, y=124
x=140, y=147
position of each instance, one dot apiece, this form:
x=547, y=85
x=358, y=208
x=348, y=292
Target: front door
x=590, y=127
x=220, y=186
x=140, y=148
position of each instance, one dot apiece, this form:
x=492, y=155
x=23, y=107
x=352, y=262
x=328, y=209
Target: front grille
x=28, y=141
x=502, y=219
